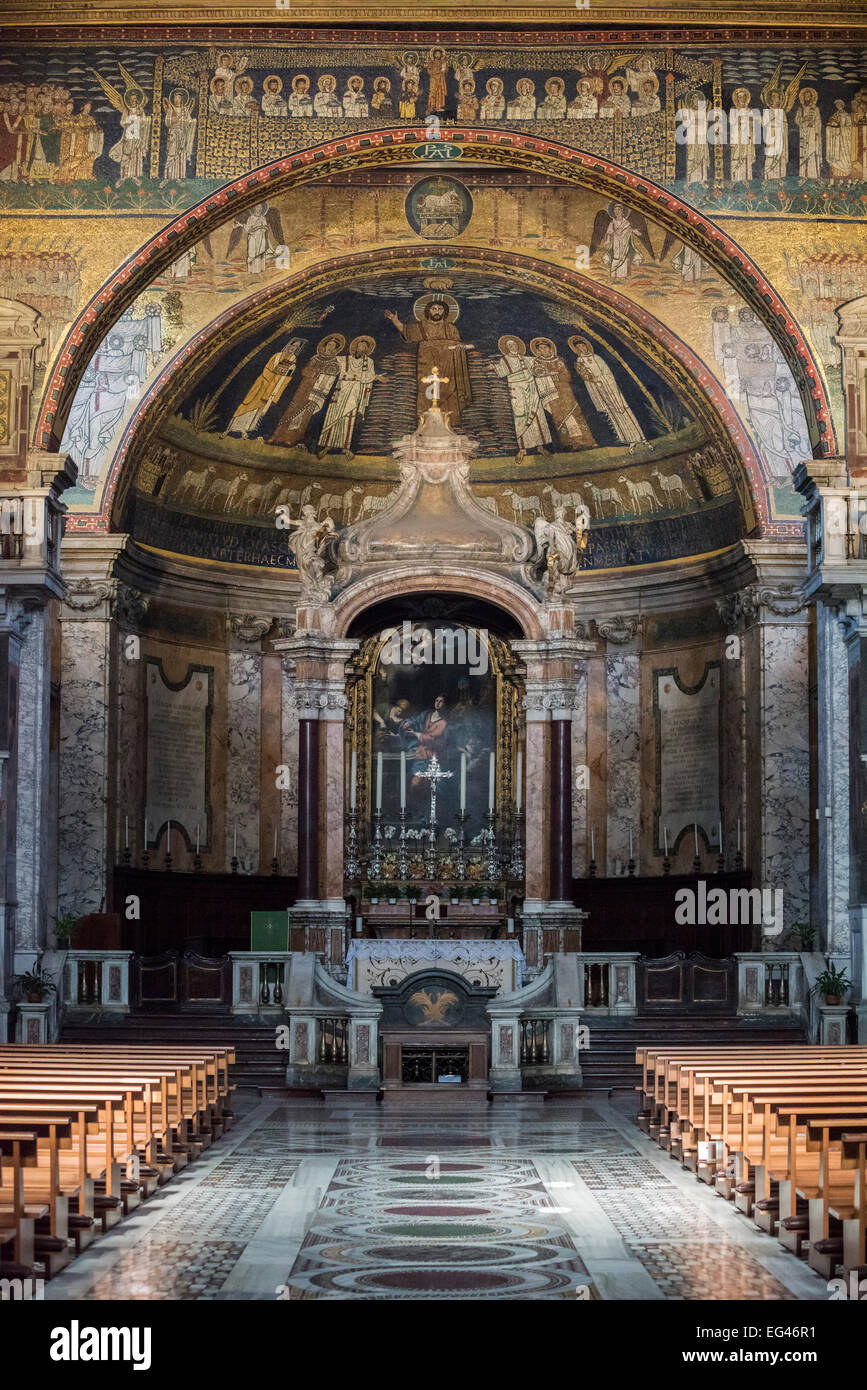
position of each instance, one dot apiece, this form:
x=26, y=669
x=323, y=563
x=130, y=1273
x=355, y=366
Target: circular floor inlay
x=439, y=1210
x=440, y=1280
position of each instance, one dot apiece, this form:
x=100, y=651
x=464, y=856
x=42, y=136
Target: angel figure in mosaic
x=180, y=133
x=623, y=238
x=133, y=146
x=777, y=102
x=465, y=68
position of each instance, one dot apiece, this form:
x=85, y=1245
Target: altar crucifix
x=434, y=384
x=434, y=774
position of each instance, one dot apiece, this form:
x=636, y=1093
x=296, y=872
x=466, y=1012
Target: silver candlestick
x=376, y=847
x=492, y=857
x=402, y=860
x=353, y=864
x=460, y=867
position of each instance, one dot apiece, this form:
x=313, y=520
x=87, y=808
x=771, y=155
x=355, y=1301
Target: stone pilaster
x=89, y=656
x=623, y=760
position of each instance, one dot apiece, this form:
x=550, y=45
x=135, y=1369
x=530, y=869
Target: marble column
x=550, y=694
x=308, y=803
x=561, y=804
x=319, y=680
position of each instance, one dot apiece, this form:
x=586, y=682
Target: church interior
x=433, y=595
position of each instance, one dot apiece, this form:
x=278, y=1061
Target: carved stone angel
x=557, y=542
x=309, y=542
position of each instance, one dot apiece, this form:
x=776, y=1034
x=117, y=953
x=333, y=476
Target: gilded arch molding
x=393, y=148
x=688, y=376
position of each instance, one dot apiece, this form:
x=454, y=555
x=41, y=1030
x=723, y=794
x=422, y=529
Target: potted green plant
x=455, y=893
x=66, y=928
x=374, y=889
x=806, y=935
x=35, y=985
x=832, y=984
x=391, y=891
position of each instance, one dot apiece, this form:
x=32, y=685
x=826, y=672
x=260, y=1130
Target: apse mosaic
x=118, y=126
x=564, y=409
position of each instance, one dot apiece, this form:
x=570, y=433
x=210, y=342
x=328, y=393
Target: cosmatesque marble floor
x=297, y=1202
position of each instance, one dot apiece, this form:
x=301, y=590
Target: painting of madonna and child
x=425, y=706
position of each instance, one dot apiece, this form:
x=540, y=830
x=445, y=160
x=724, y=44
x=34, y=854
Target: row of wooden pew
x=88, y=1132
x=781, y=1131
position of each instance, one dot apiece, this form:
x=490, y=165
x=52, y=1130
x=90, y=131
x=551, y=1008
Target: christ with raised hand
x=440, y=346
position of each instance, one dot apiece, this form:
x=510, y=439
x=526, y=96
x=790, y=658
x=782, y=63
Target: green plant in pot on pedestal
x=35, y=985
x=832, y=984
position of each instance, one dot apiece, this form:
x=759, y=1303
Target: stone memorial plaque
x=687, y=755
x=178, y=755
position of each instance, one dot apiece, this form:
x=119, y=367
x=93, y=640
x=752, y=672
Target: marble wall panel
x=85, y=744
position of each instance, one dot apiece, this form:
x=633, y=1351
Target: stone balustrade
x=609, y=982
x=97, y=980
x=259, y=981
x=771, y=982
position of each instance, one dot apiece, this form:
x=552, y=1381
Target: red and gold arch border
x=397, y=148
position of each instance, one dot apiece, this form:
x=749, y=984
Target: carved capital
x=249, y=628
x=618, y=630
x=129, y=606
x=86, y=595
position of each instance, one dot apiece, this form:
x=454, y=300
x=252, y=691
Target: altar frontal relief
x=438, y=704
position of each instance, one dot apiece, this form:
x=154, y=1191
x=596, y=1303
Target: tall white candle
x=403, y=780
x=463, y=781
x=126, y=832
x=665, y=840
x=146, y=833
x=169, y=839
x=491, y=776
x=739, y=834
x=720, y=836
x=235, y=843
x=197, y=839
x=353, y=779
x=695, y=835
x=518, y=780
x=379, y=781
x=275, y=842
x=592, y=844
x=630, y=844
